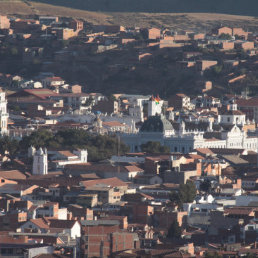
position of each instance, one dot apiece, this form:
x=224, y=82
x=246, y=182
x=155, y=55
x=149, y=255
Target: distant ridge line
x=236, y=7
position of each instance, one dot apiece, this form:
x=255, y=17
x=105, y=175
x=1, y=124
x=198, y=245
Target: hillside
x=237, y=7
x=202, y=21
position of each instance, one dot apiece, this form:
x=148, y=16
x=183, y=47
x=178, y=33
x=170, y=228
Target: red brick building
x=101, y=239
x=223, y=30
x=245, y=45
x=227, y=45
x=152, y=33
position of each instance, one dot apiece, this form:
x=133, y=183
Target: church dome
x=156, y=124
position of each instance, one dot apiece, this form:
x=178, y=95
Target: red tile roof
x=12, y=174
x=51, y=223
x=67, y=153
x=41, y=93
x=113, y=182
x=252, y=102
x=112, y=123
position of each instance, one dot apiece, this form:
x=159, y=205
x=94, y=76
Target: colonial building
x=181, y=138
x=40, y=162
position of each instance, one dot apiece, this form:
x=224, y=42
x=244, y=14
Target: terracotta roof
x=133, y=169
x=231, y=112
x=101, y=168
x=56, y=223
x=67, y=153
x=112, y=123
x=40, y=223
x=252, y=102
x=114, y=182
x=239, y=210
x=195, y=156
x=204, y=151
x=55, y=78
x=235, y=159
x=181, y=95
x=74, y=95
x=89, y=176
x=12, y=174
x=40, y=93
x=48, y=223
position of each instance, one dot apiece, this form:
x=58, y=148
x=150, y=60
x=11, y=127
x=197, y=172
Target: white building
x=232, y=116
x=62, y=158
x=185, y=140
x=40, y=162
x=82, y=154
x=3, y=113
x=45, y=225
x=155, y=106
x=136, y=112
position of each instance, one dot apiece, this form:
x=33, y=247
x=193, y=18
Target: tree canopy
x=186, y=194
x=225, y=36
x=174, y=230
x=212, y=255
x=205, y=185
x=99, y=146
x=9, y=147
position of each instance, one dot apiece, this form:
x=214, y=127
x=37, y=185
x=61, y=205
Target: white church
x=181, y=137
x=40, y=162
x=58, y=159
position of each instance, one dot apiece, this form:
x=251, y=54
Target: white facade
x=186, y=141
x=31, y=151
x=232, y=119
x=136, y=112
x=75, y=231
x=155, y=107
x=3, y=113
x=82, y=154
x=40, y=162
x=232, y=116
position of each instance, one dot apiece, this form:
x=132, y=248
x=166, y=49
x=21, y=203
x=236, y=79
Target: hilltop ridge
x=237, y=7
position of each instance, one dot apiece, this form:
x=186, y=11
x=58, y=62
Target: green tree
x=185, y=194
x=40, y=138
x=225, y=36
x=212, y=255
x=174, y=230
x=9, y=147
x=205, y=185
x=99, y=147
x=217, y=69
x=154, y=147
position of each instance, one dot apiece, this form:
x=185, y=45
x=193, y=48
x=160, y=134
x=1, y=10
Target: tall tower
x=40, y=162
x=31, y=151
x=182, y=128
x=155, y=106
x=3, y=113
x=82, y=154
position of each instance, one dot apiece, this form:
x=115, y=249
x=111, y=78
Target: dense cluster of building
x=65, y=205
